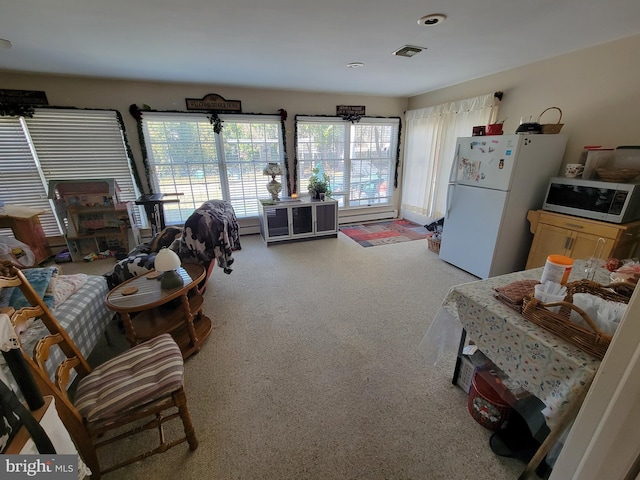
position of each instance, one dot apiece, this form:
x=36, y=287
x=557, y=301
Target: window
x=359, y=158
x=186, y=156
x=429, y=151
x=60, y=144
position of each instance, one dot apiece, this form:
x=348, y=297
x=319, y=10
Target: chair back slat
x=43, y=348
x=21, y=319
x=63, y=372
x=40, y=309
x=10, y=276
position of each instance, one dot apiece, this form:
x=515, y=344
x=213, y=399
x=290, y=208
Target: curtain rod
x=498, y=95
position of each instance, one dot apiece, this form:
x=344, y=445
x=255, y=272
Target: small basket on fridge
x=550, y=128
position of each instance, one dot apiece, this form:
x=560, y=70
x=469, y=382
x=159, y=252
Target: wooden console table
x=25, y=224
x=177, y=311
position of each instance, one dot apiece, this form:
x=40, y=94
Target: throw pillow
x=67, y=285
x=39, y=278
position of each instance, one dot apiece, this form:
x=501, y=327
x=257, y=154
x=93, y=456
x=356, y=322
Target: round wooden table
x=177, y=311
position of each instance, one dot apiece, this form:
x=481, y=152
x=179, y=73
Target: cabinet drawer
x=581, y=225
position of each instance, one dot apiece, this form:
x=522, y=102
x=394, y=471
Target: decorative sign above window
x=343, y=110
x=350, y=113
x=23, y=97
x=15, y=103
x=215, y=103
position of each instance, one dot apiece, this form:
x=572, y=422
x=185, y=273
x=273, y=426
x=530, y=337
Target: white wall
x=596, y=88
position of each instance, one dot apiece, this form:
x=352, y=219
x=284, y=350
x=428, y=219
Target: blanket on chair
x=209, y=234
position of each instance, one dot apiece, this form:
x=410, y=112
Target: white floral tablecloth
x=544, y=364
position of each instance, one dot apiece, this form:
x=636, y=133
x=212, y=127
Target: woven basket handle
x=622, y=283
x=582, y=313
x=550, y=108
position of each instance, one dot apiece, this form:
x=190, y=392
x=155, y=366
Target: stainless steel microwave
x=606, y=201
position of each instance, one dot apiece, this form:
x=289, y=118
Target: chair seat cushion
x=141, y=375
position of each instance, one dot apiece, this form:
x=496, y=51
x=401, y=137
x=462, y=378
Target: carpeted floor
x=385, y=233
x=314, y=370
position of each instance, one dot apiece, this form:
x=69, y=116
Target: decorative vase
x=274, y=188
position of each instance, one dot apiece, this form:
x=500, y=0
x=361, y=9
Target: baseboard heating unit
x=346, y=217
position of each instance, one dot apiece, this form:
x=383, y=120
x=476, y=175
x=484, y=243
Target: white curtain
x=429, y=151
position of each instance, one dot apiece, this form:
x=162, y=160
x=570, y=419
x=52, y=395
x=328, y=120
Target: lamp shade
x=167, y=260
x=272, y=169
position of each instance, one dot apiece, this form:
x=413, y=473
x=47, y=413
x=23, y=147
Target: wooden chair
x=113, y=400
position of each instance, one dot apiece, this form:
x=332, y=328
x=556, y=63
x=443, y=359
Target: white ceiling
x=302, y=44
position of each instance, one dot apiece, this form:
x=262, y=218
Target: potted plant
x=319, y=183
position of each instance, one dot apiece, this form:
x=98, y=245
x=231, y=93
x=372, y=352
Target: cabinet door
x=277, y=220
x=548, y=240
x=584, y=246
x=302, y=220
x=326, y=218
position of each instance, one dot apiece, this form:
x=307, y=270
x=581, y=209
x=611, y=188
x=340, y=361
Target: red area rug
x=385, y=233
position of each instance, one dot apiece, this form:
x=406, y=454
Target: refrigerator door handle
x=454, y=165
x=452, y=179
x=450, y=188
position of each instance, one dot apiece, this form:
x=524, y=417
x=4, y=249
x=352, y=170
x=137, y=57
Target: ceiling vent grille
x=408, y=51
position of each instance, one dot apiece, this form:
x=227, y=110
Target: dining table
x=534, y=359
x=552, y=370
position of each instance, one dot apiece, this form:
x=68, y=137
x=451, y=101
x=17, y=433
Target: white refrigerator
x=494, y=182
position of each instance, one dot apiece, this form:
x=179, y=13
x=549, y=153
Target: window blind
x=20, y=180
x=61, y=144
x=186, y=156
x=82, y=145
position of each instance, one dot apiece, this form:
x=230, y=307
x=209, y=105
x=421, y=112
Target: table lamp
x=167, y=261
x=273, y=187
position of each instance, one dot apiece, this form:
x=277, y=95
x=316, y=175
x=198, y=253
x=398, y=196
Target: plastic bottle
x=557, y=269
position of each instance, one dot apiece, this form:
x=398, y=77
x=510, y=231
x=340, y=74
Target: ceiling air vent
x=408, y=51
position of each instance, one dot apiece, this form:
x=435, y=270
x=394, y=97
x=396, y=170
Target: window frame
x=344, y=195
x=251, y=183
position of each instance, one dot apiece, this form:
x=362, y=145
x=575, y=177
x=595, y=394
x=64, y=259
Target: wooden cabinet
x=26, y=227
x=298, y=220
x=579, y=238
x=93, y=218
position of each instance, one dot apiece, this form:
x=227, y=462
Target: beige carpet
x=314, y=371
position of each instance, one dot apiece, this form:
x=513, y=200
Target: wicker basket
x=619, y=175
x=548, y=128
x=434, y=244
x=591, y=340
x=614, y=292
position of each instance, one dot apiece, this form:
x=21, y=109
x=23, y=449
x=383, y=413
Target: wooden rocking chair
x=112, y=400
